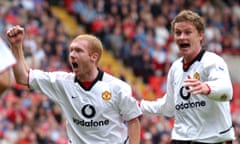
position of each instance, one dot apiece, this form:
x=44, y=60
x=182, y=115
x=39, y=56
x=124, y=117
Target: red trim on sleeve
x=209, y=89
x=228, y=142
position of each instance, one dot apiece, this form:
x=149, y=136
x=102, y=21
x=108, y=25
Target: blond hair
x=188, y=15
x=94, y=44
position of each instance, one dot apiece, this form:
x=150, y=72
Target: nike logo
x=73, y=97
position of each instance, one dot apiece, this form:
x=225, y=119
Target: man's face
x=79, y=56
x=188, y=39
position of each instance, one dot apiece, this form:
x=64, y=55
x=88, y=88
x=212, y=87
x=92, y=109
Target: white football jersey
x=197, y=117
x=6, y=57
x=96, y=115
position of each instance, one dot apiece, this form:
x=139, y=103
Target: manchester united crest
x=196, y=76
x=106, y=95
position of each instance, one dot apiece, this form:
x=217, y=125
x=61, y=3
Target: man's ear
x=201, y=34
x=95, y=56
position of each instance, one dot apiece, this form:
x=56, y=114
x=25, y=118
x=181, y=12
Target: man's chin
x=184, y=51
x=75, y=70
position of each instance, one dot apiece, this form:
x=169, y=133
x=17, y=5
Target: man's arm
x=161, y=106
x=134, y=131
x=15, y=37
x=5, y=80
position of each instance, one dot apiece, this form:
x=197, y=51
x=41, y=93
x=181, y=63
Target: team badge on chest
x=196, y=76
x=106, y=95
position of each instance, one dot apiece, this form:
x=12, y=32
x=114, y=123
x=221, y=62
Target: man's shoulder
x=53, y=74
x=113, y=80
x=213, y=54
x=211, y=57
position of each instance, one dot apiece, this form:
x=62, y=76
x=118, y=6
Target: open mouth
x=75, y=65
x=184, y=45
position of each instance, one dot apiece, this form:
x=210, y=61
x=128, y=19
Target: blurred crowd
x=136, y=32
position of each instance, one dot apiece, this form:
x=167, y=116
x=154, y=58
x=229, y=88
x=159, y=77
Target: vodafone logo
x=88, y=111
x=184, y=94
x=189, y=104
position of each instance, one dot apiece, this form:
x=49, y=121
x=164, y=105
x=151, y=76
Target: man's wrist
x=209, y=89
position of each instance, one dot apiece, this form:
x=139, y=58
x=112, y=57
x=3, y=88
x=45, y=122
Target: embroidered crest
x=196, y=76
x=106, y=95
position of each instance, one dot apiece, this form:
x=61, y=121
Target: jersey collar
x=98, y=78
x=197, y=58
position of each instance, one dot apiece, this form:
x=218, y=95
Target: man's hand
x=196, y=86
x=15, y=35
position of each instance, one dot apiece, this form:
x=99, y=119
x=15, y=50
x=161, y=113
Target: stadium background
x=139, y=49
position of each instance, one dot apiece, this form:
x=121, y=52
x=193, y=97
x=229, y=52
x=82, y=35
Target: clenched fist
x=15, y=35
